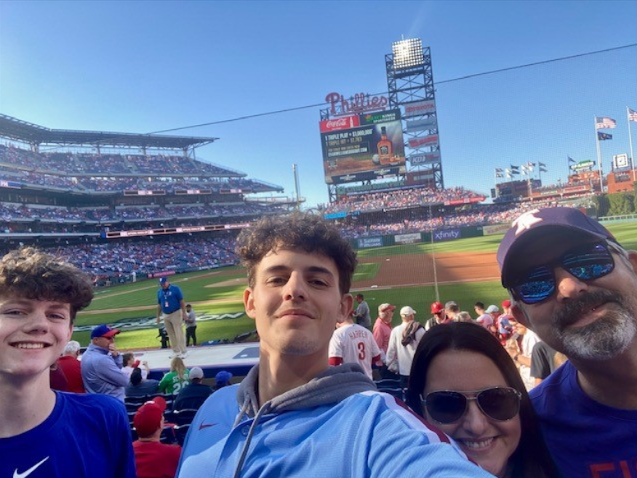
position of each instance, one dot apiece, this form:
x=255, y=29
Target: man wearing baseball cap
x=438, y=315
x=193, y=394
x=102, y=364
x=403, y=342
x=573, y=284
x=222, y=379
x=153, y=459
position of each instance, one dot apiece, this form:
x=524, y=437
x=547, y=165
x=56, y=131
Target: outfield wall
x=440, y=235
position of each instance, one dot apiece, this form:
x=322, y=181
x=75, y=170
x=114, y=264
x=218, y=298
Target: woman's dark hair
x=136, y=376
x=531, y=458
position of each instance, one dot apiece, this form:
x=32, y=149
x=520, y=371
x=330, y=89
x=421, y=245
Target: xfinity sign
x=446, y=235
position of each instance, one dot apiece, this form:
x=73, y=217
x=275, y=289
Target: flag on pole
x=498, y=170
x=570, y=160
x=604, y=122
x=632, y=115
x=603, y=136
x=542, y=165
x=543, y=169
x=499, y=175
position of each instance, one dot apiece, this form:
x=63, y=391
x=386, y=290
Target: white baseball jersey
x=354, y=344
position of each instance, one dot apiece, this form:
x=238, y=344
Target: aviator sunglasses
x=497, y=403
x=587, y=262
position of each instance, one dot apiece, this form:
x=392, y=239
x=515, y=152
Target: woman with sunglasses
x=465, y=383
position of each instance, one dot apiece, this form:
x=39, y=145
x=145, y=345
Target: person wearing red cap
x=505, y=322
x=574, y=285
x=46, y=433
x=439, y=316
x=102, y=364
x=153, y=459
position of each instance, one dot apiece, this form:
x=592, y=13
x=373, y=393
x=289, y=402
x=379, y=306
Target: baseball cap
x=506, y=304
x=491, y=309
x=437, y=307
x=407, y=311
x=386, y=307
x=103, y=330
x=222, y=377
x=530, y=224
x=148, y=417
x=196, y=372
x=163, y=280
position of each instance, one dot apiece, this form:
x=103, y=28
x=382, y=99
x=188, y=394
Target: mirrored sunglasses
x=587, y=263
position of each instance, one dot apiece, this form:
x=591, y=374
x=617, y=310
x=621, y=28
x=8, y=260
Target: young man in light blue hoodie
x=293, y=415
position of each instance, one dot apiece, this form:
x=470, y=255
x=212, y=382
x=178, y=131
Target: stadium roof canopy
x=18, y=130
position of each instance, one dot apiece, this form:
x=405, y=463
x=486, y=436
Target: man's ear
x=632, y=258
x=248, y=303
x=346, y=306
x=519, y=314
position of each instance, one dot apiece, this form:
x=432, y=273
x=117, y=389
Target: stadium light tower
x=407, y=53
x=410, y=85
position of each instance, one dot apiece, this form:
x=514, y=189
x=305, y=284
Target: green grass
x=143, y=293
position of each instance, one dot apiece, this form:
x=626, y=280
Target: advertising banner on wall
x=408, y=238
x=364, y=146
x=495, y=229
x=431, y=140
x=417, y=108
x=426, y=123
x=425, y=158
x=367, y=242
x=446, y=235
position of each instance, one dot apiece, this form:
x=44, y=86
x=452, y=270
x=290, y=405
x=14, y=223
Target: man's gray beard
x=606, y=338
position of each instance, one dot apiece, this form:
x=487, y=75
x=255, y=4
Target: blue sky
x=146, y=66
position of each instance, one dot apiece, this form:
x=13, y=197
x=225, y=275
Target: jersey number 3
x=361, y=350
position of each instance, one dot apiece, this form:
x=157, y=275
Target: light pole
x=433, y=256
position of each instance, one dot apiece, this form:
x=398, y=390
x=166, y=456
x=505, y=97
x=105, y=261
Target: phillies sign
x=359, y=103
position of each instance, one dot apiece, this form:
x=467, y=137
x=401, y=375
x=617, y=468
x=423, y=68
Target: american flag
x=632, y=115
x=604, y=122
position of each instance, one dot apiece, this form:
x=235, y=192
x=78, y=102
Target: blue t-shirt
x=586, y=438
x=169, y=298
x=86, y=436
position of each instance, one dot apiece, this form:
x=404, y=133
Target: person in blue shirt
x=102, y=364
x=46, y=433
x=294, y=415
x=171, y=308
x=575, y=286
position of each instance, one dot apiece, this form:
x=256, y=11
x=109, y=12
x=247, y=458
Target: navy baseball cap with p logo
x=533, y=223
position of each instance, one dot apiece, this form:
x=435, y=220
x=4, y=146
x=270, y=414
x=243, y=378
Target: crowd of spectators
x=101, y=172
x=375, y=201
x=482, y=216
x=13, y=211
x=114, y=260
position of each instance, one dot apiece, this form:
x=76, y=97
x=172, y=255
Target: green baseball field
x=463, y=270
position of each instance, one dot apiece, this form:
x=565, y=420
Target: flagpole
x=630, y=142
x=599, y=157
